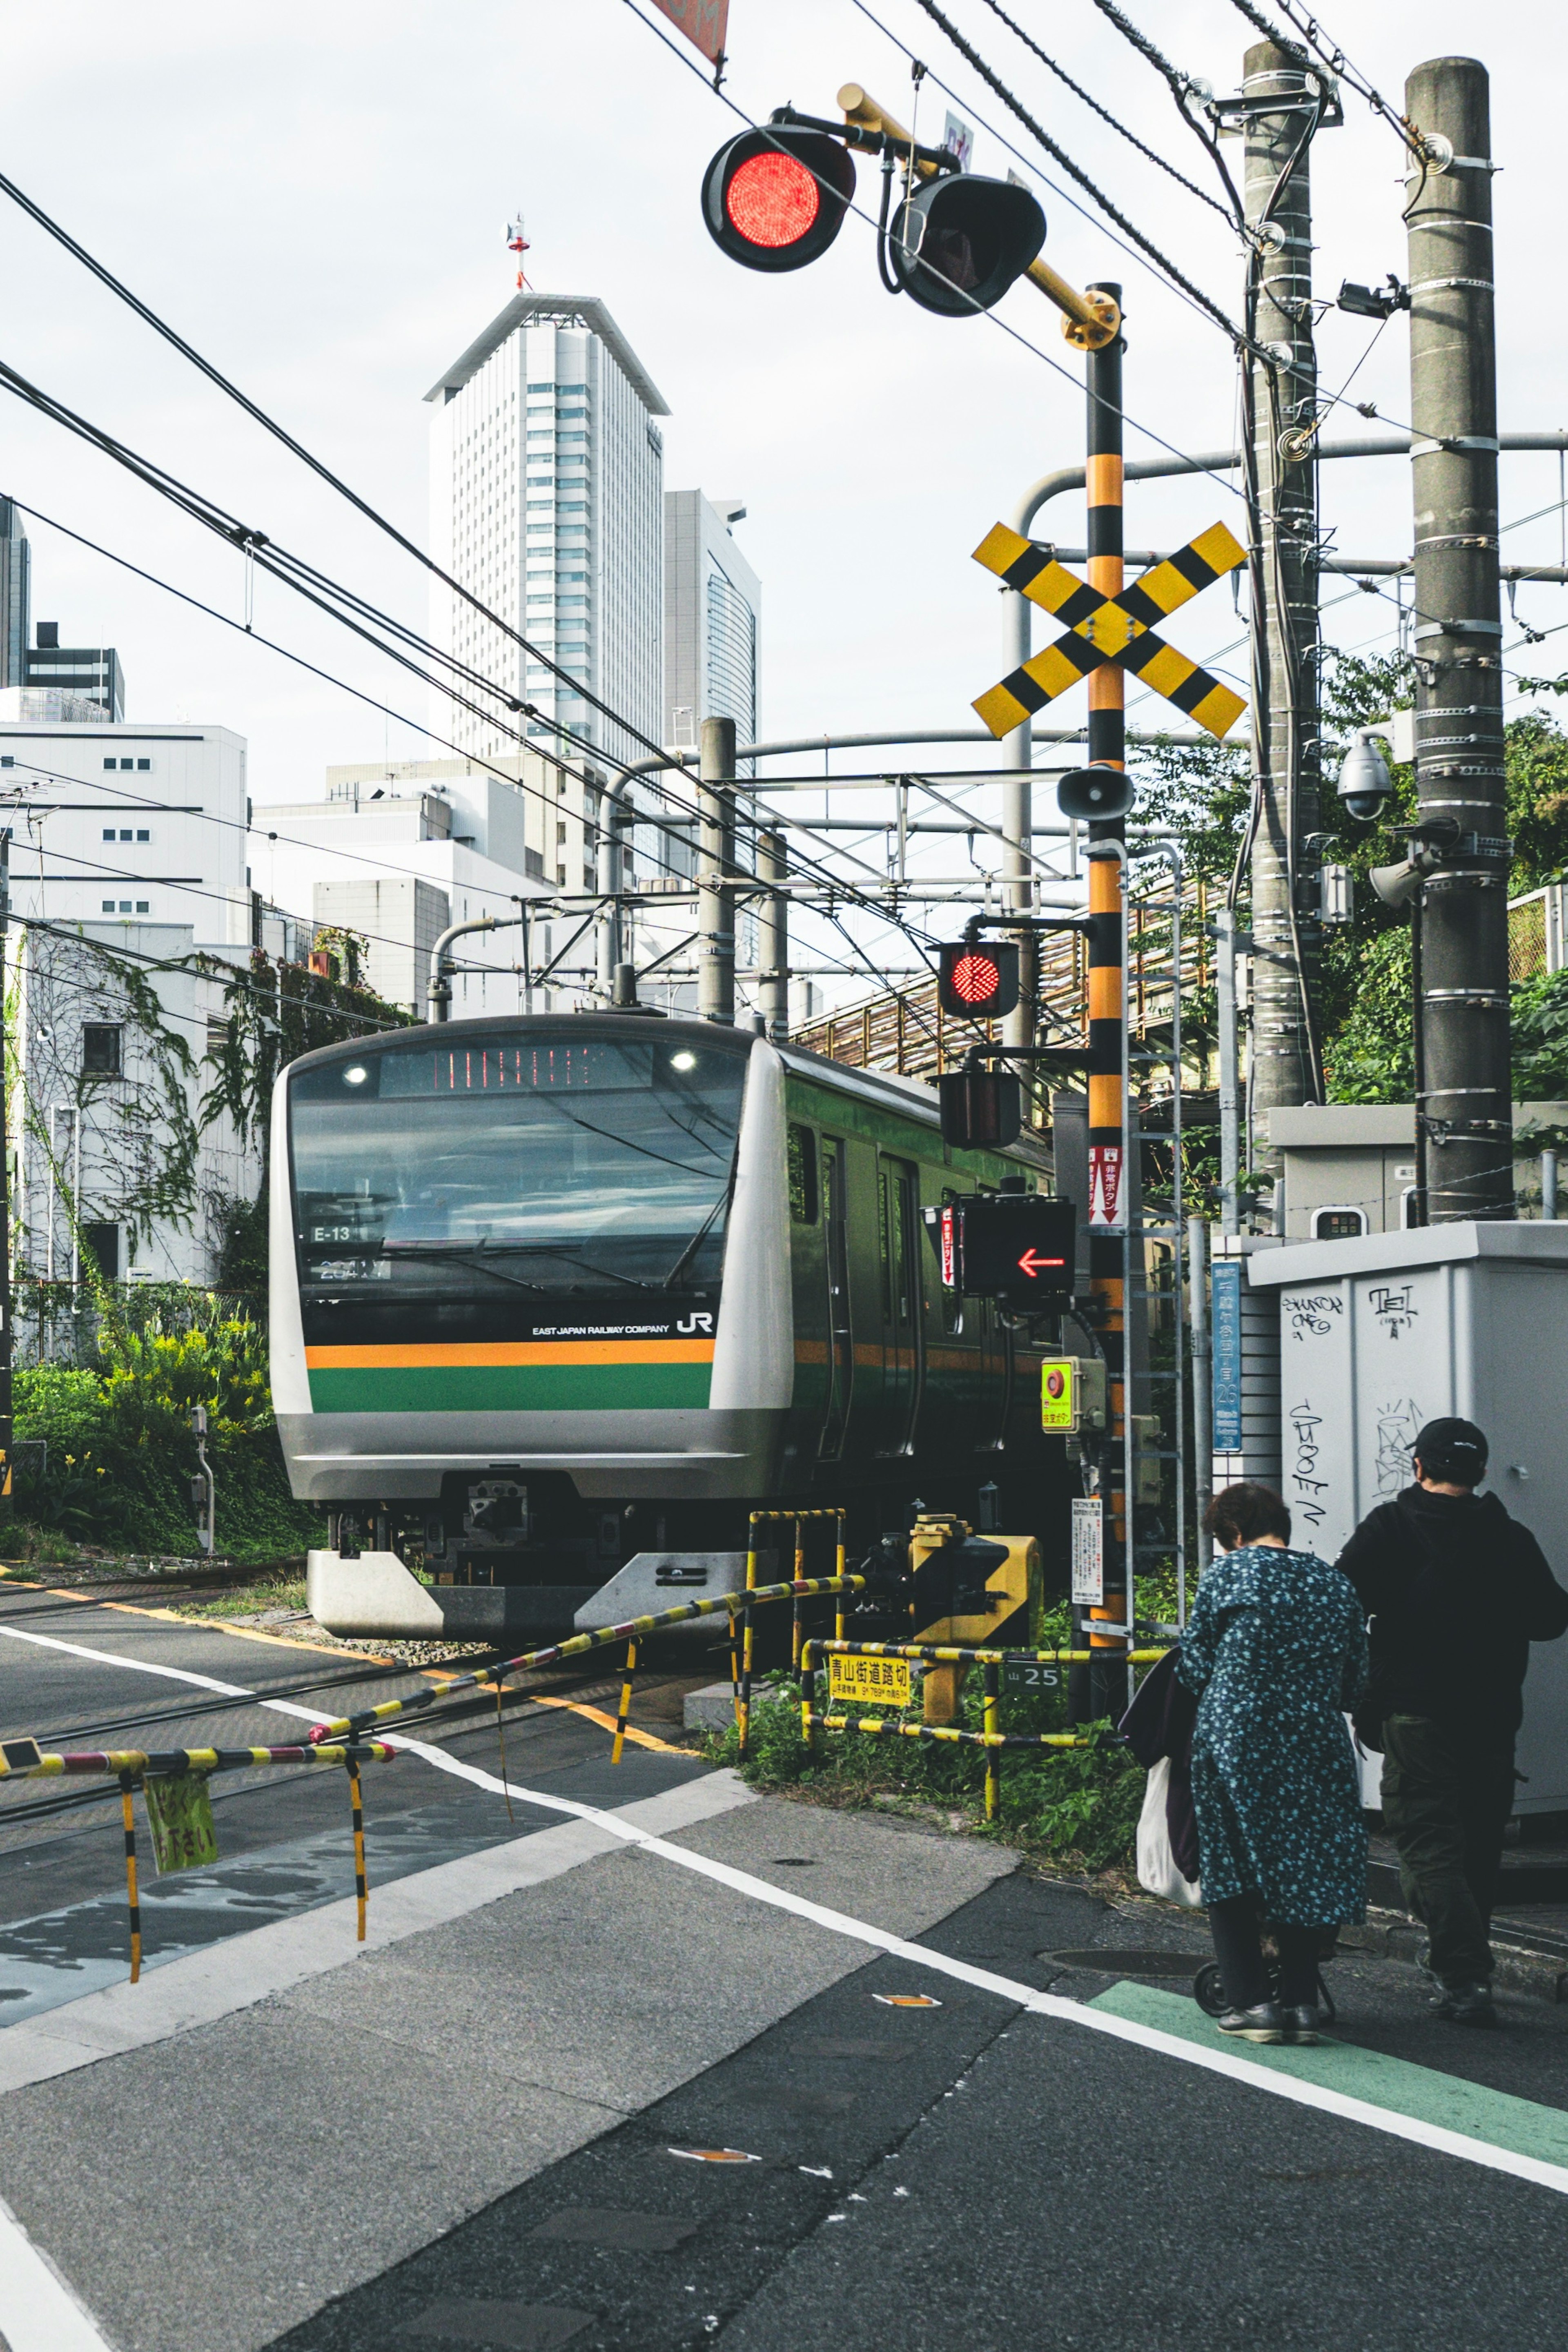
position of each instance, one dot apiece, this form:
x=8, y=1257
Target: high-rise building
x=712, y=608
x=16, y=595
x=546, y=499
x=90, y=673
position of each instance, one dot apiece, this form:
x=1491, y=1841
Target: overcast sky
x=316, y=196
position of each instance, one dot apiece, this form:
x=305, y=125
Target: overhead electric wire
x=296, y=448
x=1181, y=87
x=1038, y=131
x=1088, y=100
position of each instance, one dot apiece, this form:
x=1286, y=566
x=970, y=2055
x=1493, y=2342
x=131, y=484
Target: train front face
x=556, y=1247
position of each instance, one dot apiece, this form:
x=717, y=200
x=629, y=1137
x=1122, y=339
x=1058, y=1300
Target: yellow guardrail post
x=128, y=1815
x=993, y=1729
x=626, y=1703
x=839, y=1572
x=356, y=1807
x=799, y=1579
x=743, y=1712
x=808, y=1696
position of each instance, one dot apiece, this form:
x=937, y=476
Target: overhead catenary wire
x=1162, y=261
x=1088, y=100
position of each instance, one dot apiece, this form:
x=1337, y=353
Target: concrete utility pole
x=772, y=939
x=1460, y=773
x=1282, y=1066
x=715, y=863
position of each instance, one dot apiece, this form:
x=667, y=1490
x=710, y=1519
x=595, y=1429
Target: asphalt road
x=487, y=2130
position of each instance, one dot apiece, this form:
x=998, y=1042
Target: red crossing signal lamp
x=978, y=981
x=775, y=199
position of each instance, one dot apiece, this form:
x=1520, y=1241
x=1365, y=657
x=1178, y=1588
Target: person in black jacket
x=1456, y=1592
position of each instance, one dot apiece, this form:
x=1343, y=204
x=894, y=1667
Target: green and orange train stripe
x=510, y=1375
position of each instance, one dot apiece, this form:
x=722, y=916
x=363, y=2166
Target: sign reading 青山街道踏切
x=869, y=1682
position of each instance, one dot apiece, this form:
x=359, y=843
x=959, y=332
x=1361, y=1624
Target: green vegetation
x=120, y=1455
x=1076, y=1807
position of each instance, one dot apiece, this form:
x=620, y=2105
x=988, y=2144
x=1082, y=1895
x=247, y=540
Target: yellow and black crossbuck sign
x=1110, y=629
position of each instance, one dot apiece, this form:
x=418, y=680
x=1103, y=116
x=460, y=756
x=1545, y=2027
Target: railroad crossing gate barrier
x=969, y=1590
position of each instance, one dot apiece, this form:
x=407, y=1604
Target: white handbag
x=1157, y=1871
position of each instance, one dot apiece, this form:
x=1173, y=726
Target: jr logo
x=694, y=1323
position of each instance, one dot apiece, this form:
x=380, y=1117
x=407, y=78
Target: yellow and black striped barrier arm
x=170, y=1763
x=633, y=1629
x=944, y=1655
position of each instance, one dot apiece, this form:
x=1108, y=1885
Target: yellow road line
x=598, y=1714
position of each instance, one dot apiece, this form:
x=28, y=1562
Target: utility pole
x=715, y=864
x=1281, y=105
x=1110, y=1188
x=772, y=939
x=6, y=1352
x=1465, y=1110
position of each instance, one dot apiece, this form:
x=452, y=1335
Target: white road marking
x=41, y=2313
x=1038, y=2004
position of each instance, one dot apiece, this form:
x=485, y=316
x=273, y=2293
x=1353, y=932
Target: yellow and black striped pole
x=357, y=1807
x=626, y=1708
x=1107, y=1189
x=128, y=1814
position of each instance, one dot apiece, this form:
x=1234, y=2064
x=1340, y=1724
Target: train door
x=898, y=1195
x=840, y=1332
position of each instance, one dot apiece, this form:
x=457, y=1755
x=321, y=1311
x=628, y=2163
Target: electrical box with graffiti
x=1382, y=1332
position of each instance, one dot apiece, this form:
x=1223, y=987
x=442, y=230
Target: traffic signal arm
x=1087, y=320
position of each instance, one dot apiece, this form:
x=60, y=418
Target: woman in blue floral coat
x=1277, y=1650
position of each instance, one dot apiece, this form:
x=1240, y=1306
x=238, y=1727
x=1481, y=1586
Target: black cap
x=1452, y=1451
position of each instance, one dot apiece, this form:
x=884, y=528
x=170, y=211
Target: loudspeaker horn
x=1098, y=792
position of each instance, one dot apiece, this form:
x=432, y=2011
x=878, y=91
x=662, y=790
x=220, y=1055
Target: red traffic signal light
x=775, y=199
x=977, y=979
x=959, y=241
x=980, y=1108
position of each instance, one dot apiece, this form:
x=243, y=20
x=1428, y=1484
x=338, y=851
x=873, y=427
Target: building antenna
x=517, y=242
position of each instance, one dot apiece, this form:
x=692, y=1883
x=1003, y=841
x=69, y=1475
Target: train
x=557, y=1300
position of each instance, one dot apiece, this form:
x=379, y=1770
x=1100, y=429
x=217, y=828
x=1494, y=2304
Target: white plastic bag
x=1157, y=1871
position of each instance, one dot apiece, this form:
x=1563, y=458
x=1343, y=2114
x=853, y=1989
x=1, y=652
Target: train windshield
x=527, y=1161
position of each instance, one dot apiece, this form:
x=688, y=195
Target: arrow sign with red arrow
x=1018, y=1247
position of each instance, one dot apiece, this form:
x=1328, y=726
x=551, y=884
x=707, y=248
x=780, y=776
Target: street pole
x=611, y=814
x=1203, y=1397
x=6, y=1352
x=1019, y=1026
x=1464, y=1109
x=772, y=939
x=715, y=861
x=1109, y=1190
x=1283, y=1060
x=1229, y=1075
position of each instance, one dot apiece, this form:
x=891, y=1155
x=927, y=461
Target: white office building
x=712, y=616
x=547, y=500
x=398, y=851
x=121, y=824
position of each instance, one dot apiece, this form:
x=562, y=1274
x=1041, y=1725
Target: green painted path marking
x=1421, y=2094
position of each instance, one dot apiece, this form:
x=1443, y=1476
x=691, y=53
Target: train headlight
x=683, y=1061
x=356, y=1076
